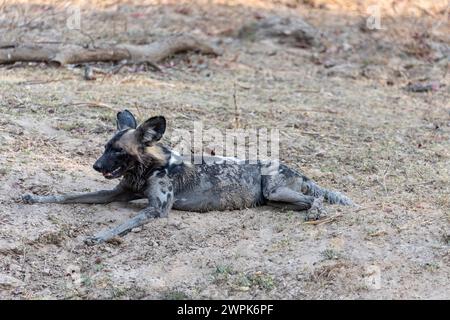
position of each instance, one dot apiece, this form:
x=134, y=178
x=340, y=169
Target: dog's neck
x=155, y=157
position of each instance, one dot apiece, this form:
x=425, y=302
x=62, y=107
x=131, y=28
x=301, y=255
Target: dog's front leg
x=141, y=218
x=104, y=196
x=160, y=201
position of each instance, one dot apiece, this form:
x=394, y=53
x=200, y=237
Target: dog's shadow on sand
x=135, y=205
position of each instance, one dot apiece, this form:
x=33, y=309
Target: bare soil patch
x=346, y=119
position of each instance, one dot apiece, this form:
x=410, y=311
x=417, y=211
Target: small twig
x=420, y=183
x=50, y=42
x=99, y=70
x=285, y=134
x=154, y=66
x=364, y=208
x=7, y=45
x=311, y=133
x=116, y=69
x=24, y=257
x=385, y=175
x=91, y=104
x=138, y=110
x=317, y=134
x=408, y=225
x=308, y=90
x=377, y=233
x=236, y=108
x=315, y=110
x=33, y=82
x=323, y=221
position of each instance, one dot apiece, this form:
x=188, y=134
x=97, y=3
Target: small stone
x=315, y=173
x=349, y=179
x=89, y=73
x=243, y=288
x=136, y=230
x=346, y=46
x=115, y=241
x=329, y=64
x=176, y=224
x=320, y=154
x=423, y=87
x=7, y=282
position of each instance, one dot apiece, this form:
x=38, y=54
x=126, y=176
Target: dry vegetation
x=346, y=116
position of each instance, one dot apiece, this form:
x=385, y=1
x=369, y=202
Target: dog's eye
x=119, y=150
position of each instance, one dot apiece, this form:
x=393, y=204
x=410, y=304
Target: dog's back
x=216, y=183
x=221, y=183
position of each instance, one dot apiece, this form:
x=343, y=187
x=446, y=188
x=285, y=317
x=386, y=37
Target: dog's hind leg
x=103, y=196
x=286, y=198
x=281, y=196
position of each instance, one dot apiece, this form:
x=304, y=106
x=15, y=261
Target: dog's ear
x=151, y=130
x=125, y=120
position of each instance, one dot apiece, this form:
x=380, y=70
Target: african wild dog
x=151, y=170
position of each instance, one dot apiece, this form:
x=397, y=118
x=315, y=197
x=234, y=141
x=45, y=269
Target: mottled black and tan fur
x=150, y=170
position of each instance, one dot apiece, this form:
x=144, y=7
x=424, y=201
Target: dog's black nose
x=97, y=167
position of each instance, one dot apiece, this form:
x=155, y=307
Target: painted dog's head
x=132, y=145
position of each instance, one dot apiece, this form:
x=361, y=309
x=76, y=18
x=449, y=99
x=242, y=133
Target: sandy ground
x=345, y=119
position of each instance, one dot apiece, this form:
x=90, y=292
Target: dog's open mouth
x=113, y=174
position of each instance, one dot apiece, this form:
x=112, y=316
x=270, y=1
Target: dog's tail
x=333, y=197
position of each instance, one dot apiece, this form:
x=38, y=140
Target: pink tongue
x=107, y=174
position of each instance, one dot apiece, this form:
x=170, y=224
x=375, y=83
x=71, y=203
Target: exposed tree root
x=63, y=54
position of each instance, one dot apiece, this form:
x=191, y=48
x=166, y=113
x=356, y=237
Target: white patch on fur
x=175, y=158
x=221, y=160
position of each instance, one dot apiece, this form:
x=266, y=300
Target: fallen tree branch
x=63, y=54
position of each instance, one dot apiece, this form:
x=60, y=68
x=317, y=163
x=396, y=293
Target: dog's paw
x=29, y=198
x=91, y=241
x=317, y=210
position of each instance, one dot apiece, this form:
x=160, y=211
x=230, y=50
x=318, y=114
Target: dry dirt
x=345, y=118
